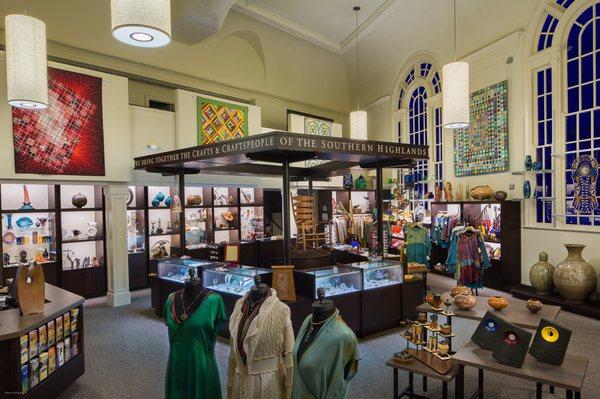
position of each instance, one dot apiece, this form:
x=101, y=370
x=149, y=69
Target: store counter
x=42, y=354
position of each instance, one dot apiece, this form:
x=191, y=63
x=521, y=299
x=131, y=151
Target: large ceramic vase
x=540, y=275
x=574, y=278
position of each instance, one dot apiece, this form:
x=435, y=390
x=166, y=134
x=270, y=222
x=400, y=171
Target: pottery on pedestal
x=434, y=300
x=540, y=275
x=533, y=305
x=497, y=302
x=464, y=302
x=574, y=278
x=459, y=289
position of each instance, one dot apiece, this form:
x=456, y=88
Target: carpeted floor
x=126, y=352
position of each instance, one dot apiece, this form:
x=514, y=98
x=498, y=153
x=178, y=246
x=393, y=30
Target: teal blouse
x=321, y=373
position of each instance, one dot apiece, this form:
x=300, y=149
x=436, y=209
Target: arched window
x=582, y=119
x=417, y=134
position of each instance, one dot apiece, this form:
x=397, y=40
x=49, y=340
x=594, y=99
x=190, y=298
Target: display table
x=515, y=313
x=23, y=365
x=416, y=367
x=587, y=308
x=569, y=375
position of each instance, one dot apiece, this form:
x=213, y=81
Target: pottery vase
x=528, y=162
x=540, y=275
x=574, y=278
x=448, y=192
x=443, y=347
x=460, y=289
x=533, y=305
x=434, y=300
x=497, y=302
x=79, y=200
x=464, y=302
x=500, y=195
x=526, y=189
x=481, y=193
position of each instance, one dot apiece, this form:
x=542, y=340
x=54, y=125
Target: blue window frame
x=417, y=134
x=437, y=83
x=582, y=123
x=410, y=77
x=425, y=68
x=400, y=98
x=565, y=3
x=544, y=138
x=547, y=32
x=438, y=147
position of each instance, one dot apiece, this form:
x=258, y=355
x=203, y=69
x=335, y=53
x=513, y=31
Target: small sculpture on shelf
x=348, y=182
x=152, y=227
x=92, y=229
x=6, y=259
x=528, y=162
x=193, y=200
x=26, y=201
x=433, y=322
x=79, y=200
x=95, y=262
x=434, y=300
x=481, y=193
x=159, y=229
x=459, y=192
x=77, y=263
x=447, y=303
x=86, y=262
x=23, y=257
x=448, y=192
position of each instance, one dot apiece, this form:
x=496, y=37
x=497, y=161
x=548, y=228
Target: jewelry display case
x=177, y=270
x=379, y=274
x=235, y=280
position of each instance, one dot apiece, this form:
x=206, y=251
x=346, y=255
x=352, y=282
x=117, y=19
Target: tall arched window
x=582, y=120
x=417, y=134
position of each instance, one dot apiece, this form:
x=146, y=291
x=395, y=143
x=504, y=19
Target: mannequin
x=325, y=354
x=262, y=339
x=193, y=316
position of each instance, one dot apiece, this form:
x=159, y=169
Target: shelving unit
x=137, y=239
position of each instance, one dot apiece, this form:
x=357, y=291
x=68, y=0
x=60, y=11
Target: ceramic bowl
x=497, y=302
x=460, y=289
x=464, y=302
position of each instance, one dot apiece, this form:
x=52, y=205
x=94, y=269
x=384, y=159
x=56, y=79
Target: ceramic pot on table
x=534, y=305
x=497, y=302
x=465, y=302
x=540, y=275
x=460, y=289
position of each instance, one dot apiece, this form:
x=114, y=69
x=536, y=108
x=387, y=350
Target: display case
x=177, y=270
x=379, y=274
x=29, y=228
x=235, y=280
x=163, y=224
x=136, y=237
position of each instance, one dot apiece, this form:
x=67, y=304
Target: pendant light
x=26, y=62
x=358, y=118
x=455, y=89
x=141, y=23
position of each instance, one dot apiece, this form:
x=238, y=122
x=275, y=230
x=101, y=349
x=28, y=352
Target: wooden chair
x=307, y=235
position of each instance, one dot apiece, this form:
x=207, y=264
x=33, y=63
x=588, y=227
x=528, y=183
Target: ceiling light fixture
x=26, y=62
x=358, y=118
x=455, y=91
x=141, y=23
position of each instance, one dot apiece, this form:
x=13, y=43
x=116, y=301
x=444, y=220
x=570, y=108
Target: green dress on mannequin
x=192, y=371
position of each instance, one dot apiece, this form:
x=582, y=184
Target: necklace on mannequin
x=185, y=314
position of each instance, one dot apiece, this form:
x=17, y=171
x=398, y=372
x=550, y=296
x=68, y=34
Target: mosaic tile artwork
x=482, y=148
x=219, y=121
x=317, y=127
x=67, y=138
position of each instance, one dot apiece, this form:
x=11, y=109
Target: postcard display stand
x=137, y=239
x=42, y=354
x=504, y=248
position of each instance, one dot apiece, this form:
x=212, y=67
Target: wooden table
x=416, y=367
x=569, y=375
x=515, y=313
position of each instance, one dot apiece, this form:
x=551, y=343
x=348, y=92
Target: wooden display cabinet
x=137, y=239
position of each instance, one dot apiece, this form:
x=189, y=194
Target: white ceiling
x=326, y=23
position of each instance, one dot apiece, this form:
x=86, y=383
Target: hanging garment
x=467, y=257
x=328, y=364
x=266, y=372
x=418, y=244
x=192, y=371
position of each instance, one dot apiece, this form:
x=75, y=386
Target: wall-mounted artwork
x=482, y=148
x=219, y=121
x=319, y=127
x=67, y=138
x=585, y=174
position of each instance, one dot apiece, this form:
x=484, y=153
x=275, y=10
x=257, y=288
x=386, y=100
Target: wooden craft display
x=30, y=289
x=283, y=282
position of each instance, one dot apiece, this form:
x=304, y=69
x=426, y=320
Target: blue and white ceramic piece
x=526, y=189
x=528, y=162
x=585, y=173
x=24, y=222
x=348, y=181
x=537, y=165
x=160, y=196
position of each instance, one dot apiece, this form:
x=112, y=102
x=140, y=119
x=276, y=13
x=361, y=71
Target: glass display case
x=235, y=280
x=380, y=274
x=335, y=280
x=177, y=270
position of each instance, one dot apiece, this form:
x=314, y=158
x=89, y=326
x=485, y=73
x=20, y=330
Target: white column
x=117, y=264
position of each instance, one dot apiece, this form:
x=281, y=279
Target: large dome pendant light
x=358, y=118
x=455, y=91
x=26, y=62
x=141, y=23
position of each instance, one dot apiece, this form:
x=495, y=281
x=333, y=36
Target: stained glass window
x=547, y=32
x=543, y=140
x=582, y=123
x=417, y=134
x=438, y=148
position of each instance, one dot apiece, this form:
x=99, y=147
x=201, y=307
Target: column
x=115, y=231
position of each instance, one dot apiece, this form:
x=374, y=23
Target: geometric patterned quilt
x=483, y=147
x=219, y=121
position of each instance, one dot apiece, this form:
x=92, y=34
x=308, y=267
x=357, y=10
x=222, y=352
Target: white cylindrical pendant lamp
x=26, y=62
x=455, y=95
x=358, y=125
x=141, y=23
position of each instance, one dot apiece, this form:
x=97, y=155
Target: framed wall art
x=219, y=121
x=482, y=148
x=67, y=138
